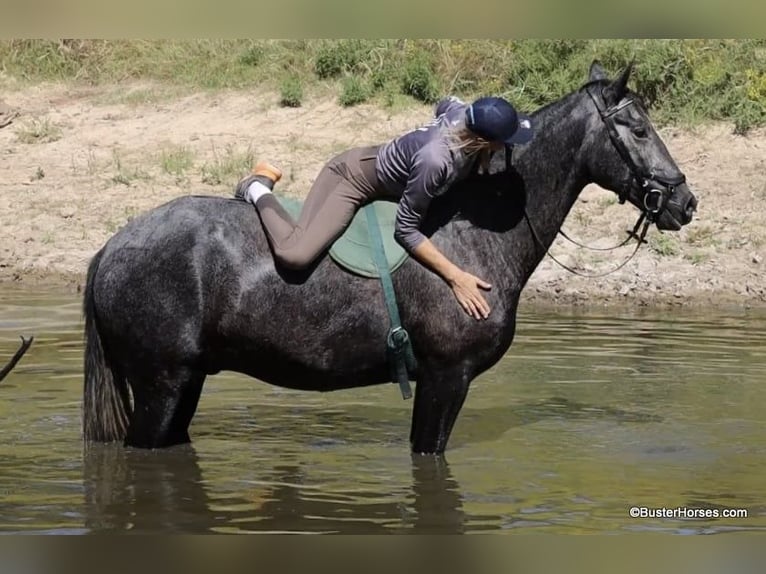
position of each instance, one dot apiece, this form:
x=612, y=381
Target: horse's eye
x=640, y=132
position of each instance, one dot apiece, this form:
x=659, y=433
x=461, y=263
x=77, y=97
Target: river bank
x=77, y=163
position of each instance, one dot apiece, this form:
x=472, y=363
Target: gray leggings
x=346, y=183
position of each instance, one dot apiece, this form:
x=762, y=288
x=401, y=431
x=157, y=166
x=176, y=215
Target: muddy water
x=590, y=413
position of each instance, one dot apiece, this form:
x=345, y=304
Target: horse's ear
x=596, y=72
x=615, y=91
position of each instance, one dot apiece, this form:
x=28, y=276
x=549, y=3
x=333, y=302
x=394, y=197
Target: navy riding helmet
x=495, y=119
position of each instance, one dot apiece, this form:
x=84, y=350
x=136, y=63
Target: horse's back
x=167, y=267
x=183, y=220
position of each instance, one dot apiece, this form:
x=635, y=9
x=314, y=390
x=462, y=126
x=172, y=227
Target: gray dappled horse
x=190, y=288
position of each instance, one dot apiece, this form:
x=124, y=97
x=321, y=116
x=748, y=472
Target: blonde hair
x=460, y=138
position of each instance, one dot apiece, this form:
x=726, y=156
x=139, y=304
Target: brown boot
x=264, y=173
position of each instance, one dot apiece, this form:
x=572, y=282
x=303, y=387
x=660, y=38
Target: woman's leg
x=344, y=184
x=329, y=208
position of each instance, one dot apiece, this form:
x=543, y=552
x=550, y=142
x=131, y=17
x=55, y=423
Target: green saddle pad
x=353, y=250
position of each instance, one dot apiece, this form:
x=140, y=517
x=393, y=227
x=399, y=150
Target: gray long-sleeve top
x=420, y=165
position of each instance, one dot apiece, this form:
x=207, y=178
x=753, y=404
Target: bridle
x=656, y=190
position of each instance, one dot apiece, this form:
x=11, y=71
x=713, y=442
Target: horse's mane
x=546, y=108
x=491, y=201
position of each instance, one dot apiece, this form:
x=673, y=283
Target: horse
x=190, y=288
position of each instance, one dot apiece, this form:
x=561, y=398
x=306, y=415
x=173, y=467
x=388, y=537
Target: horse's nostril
x=691, y=207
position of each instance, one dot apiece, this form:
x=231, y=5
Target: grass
x=126, y=175
x=702, y=235
x=140, y=96
x=685, y=82
x=354, y=91
x=38, y=130
x=136, y=96
x=114, y=223
x=227, y=166
x=582, y=218
x=607, y=201
x=129, y=212
x=756, y=241
x=663, y=244
x=696, y=257
x=420, y=80
x=176, y=160
x=291, y=92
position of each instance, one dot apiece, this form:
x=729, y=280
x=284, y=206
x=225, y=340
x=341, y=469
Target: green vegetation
x=607, y=201
x=354, y=91
x=227, y=166
x=176, y=160
x=702, y=235
x=125, y=175
x=38, y=131
x=663, y=244
x=696, y=257
x=683, y=81
x=420, y=81
x=291, y=92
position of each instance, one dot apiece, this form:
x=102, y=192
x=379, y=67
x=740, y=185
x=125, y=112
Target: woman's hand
x=466, y=288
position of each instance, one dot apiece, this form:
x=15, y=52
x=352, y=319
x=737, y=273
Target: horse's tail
x=106, y=404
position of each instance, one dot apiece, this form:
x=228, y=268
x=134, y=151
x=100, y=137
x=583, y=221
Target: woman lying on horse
x=413, y=169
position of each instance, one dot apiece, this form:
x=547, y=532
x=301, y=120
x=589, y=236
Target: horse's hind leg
x=439, y=395
x=163, y=408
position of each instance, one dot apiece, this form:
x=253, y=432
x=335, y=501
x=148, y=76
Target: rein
x=592, y=248
x=653, y=201
x=633, y=234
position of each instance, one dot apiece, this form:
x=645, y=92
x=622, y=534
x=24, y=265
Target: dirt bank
x=76, y=164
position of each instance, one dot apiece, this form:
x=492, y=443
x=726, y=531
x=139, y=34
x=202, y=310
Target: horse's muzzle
x=678, y=210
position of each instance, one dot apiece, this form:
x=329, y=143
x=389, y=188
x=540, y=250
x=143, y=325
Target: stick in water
x=25, y=343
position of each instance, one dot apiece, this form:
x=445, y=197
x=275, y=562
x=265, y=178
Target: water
x=590, y=413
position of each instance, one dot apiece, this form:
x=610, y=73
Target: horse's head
x=629, y=157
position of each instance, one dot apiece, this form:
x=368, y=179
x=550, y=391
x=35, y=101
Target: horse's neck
x=548, y=174
x=553, y=174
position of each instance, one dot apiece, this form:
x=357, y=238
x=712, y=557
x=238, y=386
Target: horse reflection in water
x=163, y=492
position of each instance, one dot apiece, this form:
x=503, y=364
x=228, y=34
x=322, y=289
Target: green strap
x=401, y=355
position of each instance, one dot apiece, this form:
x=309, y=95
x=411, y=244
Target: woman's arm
x=427, y=177
x=445, y=104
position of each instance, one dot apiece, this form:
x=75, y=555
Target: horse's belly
x=300, y=377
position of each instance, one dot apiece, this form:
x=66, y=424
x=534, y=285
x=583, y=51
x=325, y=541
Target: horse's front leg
x=439, y=395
